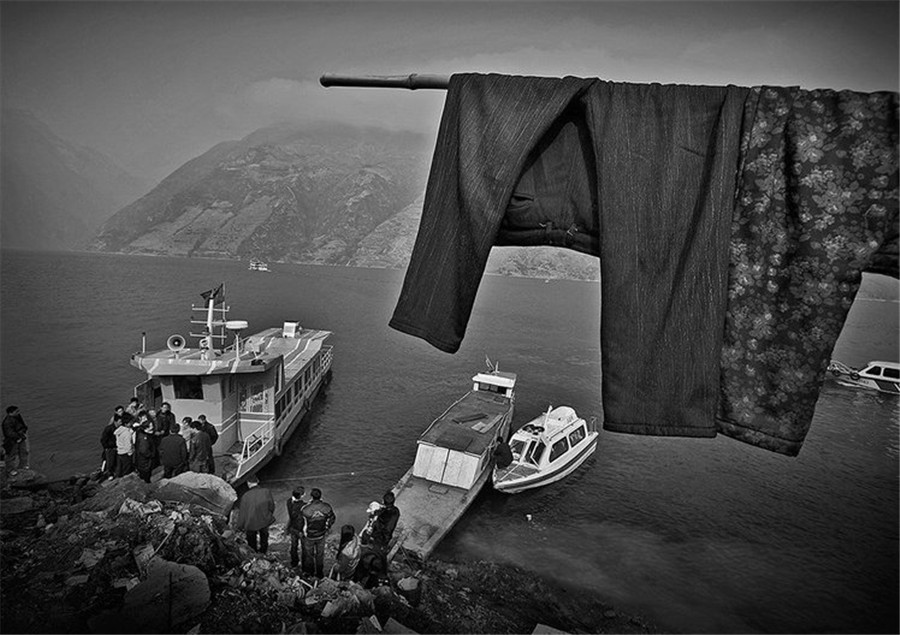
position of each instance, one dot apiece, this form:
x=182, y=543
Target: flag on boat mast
x=217, y=295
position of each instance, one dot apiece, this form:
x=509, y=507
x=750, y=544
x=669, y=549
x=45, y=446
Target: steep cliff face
x=329, y=195
x=55, y=194
x=283, y=194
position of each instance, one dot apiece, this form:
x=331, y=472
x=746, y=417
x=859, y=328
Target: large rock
x=204, y=490
x=16, y=505
x=111, y=494
x=173, y=594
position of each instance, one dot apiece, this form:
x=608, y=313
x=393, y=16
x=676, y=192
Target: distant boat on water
x=254, y=391
x=877, y=375
x=258, y=265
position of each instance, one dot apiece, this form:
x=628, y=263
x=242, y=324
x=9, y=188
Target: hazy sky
x=153, y=84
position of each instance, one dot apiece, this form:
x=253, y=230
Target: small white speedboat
x=546, y=450
x=880, y=376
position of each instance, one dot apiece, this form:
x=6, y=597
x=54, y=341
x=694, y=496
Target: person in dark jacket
x=165, y=418
x=108, y=443
x=295, y=522
x=213, y=435
x=385, y=523
x=503, y=456
x=173, y=452
x=144, y=448
x=199, y=449
x=318, y=517
x=15, y=439
x=255, y=513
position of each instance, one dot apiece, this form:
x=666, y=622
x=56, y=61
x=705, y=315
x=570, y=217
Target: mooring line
x=331, y=475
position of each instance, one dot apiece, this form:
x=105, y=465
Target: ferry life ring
x=835, y=372
x=854, y=376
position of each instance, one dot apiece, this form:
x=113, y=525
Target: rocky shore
x=117, y=556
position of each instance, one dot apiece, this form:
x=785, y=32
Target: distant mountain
x=282, y=193
x=55, y=194
x=329, y=194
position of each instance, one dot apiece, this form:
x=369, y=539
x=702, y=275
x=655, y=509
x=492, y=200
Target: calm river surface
x=704, y=535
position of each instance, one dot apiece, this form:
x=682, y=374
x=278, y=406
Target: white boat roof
x=258, y=353
x=884, y=364
x=553, y=422
x=504, y=380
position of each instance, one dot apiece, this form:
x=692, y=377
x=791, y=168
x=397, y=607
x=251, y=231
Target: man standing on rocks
x=318, y=517
x=15, y=438
x=255, y=514
x=385, y=523
x=295, y=521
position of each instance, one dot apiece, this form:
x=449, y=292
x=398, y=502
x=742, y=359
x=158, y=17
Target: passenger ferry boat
x=546, y=450
x=881, y=376
x=255, y=391
x=453, y=462
x=258, y=265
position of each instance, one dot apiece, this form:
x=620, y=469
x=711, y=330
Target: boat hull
x=546, y=477
x=881, y=385
x=429, y=511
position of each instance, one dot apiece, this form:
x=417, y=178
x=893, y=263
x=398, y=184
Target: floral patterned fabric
x=816, y=201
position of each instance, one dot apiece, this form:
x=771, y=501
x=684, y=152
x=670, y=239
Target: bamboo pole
x=412, y=81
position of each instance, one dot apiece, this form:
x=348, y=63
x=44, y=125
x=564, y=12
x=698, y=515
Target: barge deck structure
x=453, y=462
x=255, y=391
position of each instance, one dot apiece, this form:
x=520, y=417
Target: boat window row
x=297, y=387
x=890, y=373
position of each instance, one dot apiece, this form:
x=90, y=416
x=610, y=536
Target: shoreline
x=78, y=544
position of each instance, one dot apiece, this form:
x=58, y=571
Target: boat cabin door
x=149, y=393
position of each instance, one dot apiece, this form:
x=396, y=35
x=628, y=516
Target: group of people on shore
x=140, y=439
x=360, y=557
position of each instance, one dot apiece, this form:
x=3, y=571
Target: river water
x=706, y=535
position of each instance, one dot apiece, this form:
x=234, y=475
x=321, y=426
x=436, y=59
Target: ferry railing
x=257, y=440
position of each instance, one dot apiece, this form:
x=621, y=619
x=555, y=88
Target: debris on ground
x=100, y=556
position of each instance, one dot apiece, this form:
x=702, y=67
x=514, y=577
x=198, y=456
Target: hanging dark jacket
x=725, y=219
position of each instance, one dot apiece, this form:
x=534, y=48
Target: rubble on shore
x=92, y=556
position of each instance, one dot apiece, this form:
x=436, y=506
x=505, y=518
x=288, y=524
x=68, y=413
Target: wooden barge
x=453, y=462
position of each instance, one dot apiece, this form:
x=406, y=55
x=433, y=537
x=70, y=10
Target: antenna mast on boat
x=212, y=297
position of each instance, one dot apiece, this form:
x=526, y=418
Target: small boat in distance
x=258, y=265
x=453, y=462
x=880, y=376
x=254, y=391
x=545, y=450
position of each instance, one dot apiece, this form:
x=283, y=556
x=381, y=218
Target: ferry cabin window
x=892, y=373
x=873, y=370
x=576, y=437
x=517, y=446
x=491, y=388
x=187, y=387
x=559, y=448
x=537, y=451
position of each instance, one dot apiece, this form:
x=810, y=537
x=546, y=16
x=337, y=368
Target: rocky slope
x=327, y=195
x=55, y=194
x=281, y=193
x=124, y=556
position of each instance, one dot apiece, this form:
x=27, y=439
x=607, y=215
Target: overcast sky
x=153, y=84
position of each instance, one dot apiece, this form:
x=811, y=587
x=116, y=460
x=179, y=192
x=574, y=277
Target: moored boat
x=258, y=265
x=876, y=375
x=545, y=450
x=255, y=391
x=453, y=462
